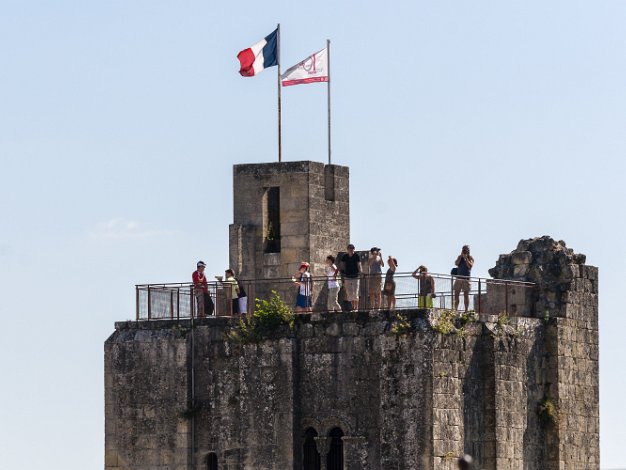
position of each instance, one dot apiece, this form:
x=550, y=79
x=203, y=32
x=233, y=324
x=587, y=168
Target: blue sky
x=479, y=123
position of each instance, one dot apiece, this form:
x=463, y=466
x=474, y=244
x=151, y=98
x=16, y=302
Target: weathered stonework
x=177, y=391
x=314, y=217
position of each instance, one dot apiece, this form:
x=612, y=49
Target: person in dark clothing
x=464, y=263
x=390, y=284
x=351, y=271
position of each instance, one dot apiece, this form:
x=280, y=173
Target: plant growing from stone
x=401, y=325
x=268, y=316
x=548, y=412
x=503, y=320
x=445, y=323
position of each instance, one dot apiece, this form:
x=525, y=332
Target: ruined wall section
x=566, y=299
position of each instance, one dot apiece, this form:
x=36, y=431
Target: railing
x=178, y=301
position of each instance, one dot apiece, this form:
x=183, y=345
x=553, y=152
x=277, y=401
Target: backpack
x=242, y=291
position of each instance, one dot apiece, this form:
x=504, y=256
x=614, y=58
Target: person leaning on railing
x=426, y=287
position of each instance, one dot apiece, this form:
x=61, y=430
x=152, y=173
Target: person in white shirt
x=304, y=280
x=333, y=285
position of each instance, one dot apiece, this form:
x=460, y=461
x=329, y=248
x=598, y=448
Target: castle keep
x=360, y=390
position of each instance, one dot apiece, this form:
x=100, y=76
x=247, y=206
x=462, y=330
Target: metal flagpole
x=328, y=95
x=280, y=139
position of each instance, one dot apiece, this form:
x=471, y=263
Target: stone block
x=521, y=257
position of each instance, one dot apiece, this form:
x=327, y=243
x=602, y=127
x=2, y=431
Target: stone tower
x=348, y=391
x=285, y=213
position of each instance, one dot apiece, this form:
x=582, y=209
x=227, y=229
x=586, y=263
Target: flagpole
x=280, y=139
x=328, y=95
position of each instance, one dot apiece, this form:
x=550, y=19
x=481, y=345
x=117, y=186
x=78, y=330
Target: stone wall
x=146, y=373
x=413, y=400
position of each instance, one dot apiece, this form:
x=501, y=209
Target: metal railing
x=178, y=300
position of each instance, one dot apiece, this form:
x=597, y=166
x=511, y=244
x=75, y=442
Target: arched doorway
x=211, y=461
x=334, y=460
x=311, y=457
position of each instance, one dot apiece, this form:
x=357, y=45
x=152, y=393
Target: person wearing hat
x=426, y=287
x=304, y=281
x=375, y=265
x=351, y=270
x=201, y=291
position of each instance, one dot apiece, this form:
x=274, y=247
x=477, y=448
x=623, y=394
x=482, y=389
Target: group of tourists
x=351, y=272
x=381, y=291
x=239, y=298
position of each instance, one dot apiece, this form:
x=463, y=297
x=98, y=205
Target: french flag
x=262, y=55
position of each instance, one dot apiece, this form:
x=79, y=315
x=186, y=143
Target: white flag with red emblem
x=313, y=69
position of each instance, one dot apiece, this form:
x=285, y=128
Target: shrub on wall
x=268, y=316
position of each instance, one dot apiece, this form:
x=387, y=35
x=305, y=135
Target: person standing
x=375, y=265
x=464, y=263
x=242, y=298
x=333, y=285
x=426, y=287
x=232, y=290
x=201, y=290
x=390, y=283
x=304, y=281
x=351, y=270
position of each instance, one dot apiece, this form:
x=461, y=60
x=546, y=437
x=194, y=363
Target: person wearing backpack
x=242, y=298
x=230, y=283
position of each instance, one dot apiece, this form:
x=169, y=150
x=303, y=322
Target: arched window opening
x=334, y=461
x=311, y=460
x=211, y=461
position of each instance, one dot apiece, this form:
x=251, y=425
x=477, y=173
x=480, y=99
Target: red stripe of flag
x=246, y=59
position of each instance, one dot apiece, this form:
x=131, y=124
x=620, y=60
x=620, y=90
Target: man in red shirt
x=201, y=291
